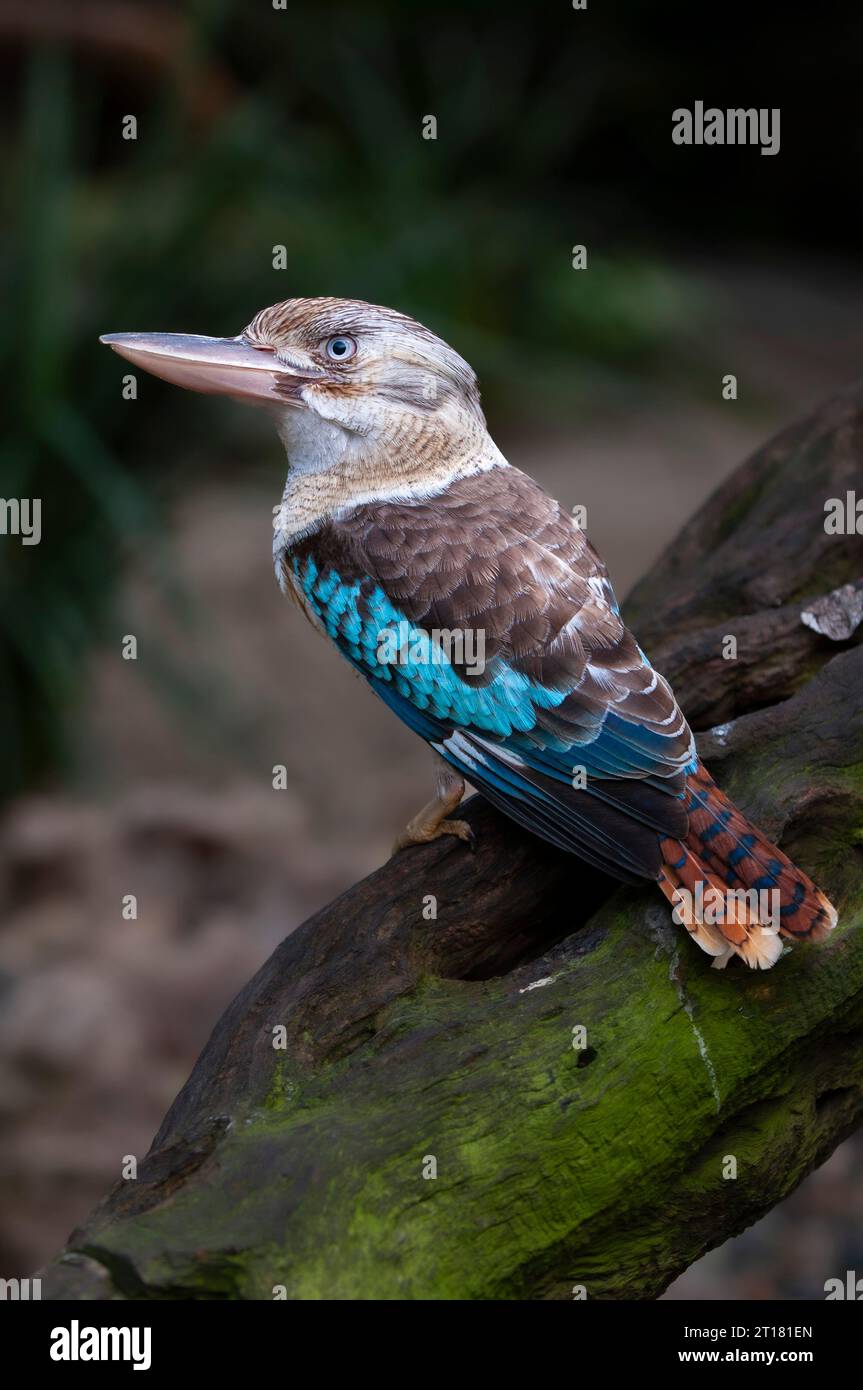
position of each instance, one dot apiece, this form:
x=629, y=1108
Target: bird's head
x=346, y=381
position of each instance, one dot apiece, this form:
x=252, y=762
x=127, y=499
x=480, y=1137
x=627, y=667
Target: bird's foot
x=433, y=820
x=416, y=832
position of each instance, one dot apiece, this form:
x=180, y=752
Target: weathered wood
x=409, y=1039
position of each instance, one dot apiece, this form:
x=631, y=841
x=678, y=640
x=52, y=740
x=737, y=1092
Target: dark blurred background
x=259, y=127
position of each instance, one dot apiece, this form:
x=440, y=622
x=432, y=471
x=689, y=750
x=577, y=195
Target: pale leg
x=433, y=820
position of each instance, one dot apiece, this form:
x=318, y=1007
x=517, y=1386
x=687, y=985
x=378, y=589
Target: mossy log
x=414, y=1045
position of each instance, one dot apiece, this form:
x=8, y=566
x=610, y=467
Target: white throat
x=332, y=469
x=314, y=444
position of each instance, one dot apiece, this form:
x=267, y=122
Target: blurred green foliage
x=300, y=128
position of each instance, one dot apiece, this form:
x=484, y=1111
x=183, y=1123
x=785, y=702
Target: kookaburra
x=401, y=516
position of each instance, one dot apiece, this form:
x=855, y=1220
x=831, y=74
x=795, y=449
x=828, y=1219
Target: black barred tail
x=734, y=891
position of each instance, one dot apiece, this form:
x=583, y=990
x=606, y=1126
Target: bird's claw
x=414, y=834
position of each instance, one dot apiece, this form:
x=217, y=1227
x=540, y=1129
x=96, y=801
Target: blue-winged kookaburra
x=477, y=609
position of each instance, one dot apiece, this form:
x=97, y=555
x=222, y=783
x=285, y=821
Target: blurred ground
x=101, y=1018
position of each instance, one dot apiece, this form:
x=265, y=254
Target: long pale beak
x=218, y=366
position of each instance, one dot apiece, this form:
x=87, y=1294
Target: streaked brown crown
x=382, y=335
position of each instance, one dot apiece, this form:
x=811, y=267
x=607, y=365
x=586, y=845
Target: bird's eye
x=340, y=349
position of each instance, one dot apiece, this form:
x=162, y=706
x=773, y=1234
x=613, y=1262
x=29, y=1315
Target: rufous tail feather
x=734, y=891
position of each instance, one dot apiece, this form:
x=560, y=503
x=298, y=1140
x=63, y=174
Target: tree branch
x=409, y=1040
